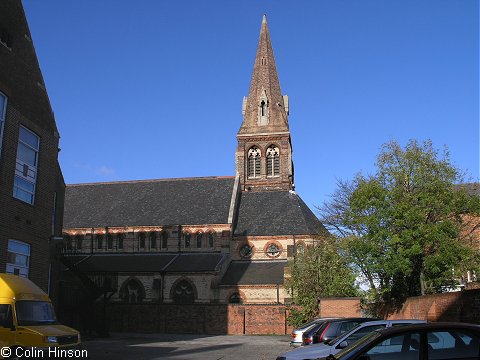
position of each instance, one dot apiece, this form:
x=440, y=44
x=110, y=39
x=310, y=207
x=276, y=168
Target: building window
x=78, y=242
x=164, y=240
x=273, y=161
x=235, y=298
x=26, y=165
x=253, y=164
x=120, y=238
x=183, y=293
x=109, y=241
x=67, y=241
x=211, y=240
x=273, y=249
x=3, y=115
x=246, y=251
x=18, y=258
x=187, y=239
x=141, y=240
x=99, y=238
x=5, y=38
x=199, y=240
x=300, y=248
x=132, y=291
x=153, y=240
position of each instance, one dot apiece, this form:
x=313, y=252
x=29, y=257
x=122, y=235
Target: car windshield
x=35, y=313
x=369, y=337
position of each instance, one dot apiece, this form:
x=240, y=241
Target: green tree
x=404, y=227
x=320, y=271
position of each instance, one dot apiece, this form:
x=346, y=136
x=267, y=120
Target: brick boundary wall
x=212, y=319
x=339, y=307
x=462, y=306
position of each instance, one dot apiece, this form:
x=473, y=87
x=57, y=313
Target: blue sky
x=153, y=89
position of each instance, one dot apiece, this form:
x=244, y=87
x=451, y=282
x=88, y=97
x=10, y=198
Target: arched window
x=187, y=240
x=120, y=238
x=99, y=238
x=68, y=242
x=199, y=240
x=253, y=164
x=183, y=292
x=235, y=298
x=78, y=241
x=273, y=161
x=141, y=240
x=246, y=251
x=132, y=291
x=153, y=240
x=109, y=241
x=164, y=240
x=211, y=240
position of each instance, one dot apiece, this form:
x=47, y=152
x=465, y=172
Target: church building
x=219, y=239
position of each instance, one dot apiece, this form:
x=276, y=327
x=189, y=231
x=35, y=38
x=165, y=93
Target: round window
x=273, y=250
x=246, y=250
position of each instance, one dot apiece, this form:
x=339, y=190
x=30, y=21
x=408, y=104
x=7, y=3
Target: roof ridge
x=152, y=180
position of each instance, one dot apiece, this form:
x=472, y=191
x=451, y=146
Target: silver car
x=342, y=341
x=297, y=334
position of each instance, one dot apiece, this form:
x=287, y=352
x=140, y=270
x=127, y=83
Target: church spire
x=264, y=152
x=265, y=109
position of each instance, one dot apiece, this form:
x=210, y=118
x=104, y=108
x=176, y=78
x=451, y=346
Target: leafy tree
x=320, y=271
x=404, y=227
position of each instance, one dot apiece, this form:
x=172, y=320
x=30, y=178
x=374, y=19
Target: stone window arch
x=164, y=240
x=187, y=240
x=199, y=240
x=183, y=292
x=273, y=161
x=153, y=240
x=99, y=238
x=141, y=240
x=132, y=291
x=253, y=162
x=300, y=248
x=273, y=249
x=211, y=239
x=78, y=242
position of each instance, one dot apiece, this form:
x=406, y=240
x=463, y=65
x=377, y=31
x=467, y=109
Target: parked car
x=431, y=341
x=296, y=339
x=330, y=329
x=343, y=340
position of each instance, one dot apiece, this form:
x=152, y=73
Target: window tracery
x=253, y=165
x=273, y=161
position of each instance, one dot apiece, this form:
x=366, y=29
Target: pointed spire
x=264, y=108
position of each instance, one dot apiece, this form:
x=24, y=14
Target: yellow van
x=28, y=322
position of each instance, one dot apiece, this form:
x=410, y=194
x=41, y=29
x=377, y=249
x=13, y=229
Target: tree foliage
x=320, y=271
x=403, y=228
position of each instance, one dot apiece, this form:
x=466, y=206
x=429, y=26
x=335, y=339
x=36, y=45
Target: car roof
x=402, y=321
x=430, y=326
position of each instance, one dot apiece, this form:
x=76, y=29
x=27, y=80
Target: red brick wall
x=194, y=319
x=461, y=306
x=339, y=307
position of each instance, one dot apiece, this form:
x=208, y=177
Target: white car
x=296, y=339
x=342, y=341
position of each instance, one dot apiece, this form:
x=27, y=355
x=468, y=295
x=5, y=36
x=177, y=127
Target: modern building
x=31, y=183
x=221, y=239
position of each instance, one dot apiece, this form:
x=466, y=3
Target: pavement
x=185, y=347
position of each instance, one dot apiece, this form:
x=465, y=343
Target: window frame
x=273, y=161
x=14, y=266
x=254, y=166
x=24, y=171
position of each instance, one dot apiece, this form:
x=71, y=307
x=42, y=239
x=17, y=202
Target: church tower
x=264, y=151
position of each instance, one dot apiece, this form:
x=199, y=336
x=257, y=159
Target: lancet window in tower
x=273, y=161
x=263, y=109
x=253, y=164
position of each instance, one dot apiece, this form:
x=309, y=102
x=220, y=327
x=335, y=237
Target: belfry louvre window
x=26, y=165
x=253, y=165
x=273, y=161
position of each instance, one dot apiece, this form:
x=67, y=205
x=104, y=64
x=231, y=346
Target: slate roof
x=188, y=201
x=471, y=188
x=266, y=272
x=275, y=213
x=185, y=263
